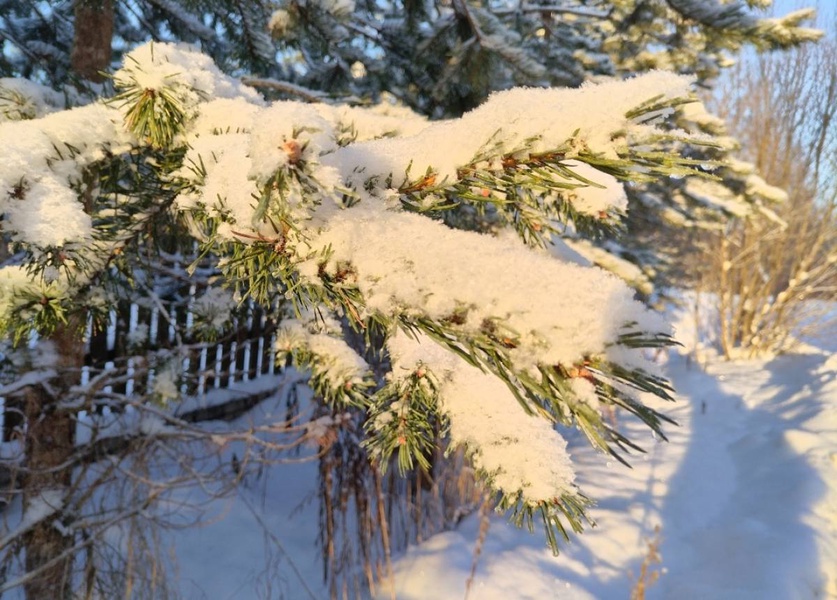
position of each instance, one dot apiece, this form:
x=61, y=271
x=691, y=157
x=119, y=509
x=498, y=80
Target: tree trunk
x=92, y=39
x=50, y=431
x=49, y=447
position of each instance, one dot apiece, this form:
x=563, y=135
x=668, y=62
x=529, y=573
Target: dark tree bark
x=92, y=39
x=50, y=431
x=49, y=447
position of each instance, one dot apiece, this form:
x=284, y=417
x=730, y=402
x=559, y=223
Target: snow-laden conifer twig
x=372, y=263
x=298, y=209
x=783, y=32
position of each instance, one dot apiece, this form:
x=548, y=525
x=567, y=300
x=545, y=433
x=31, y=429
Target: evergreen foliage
x=443, y=59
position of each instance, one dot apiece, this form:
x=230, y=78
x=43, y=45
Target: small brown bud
x=293, y=150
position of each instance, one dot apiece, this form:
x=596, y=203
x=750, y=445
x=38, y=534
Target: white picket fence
x=240, y=356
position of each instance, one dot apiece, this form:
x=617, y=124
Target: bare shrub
x=774, y=273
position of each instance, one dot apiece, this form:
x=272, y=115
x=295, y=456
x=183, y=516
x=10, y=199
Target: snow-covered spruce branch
x=300, y=210
x=537, y=193
x=302, y=215
x=783, y=32
x=74, y=240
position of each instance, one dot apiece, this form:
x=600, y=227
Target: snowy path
x=749, y=511
x=745, y=494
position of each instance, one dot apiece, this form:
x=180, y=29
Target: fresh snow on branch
x=408, y=264
x=522, y=454
x=180, y=68
x=523, y=119
x=311, y=199
x=23, y=99
x=43, y=161
x=334, y=360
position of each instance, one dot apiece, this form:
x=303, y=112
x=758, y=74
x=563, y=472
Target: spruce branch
x=734, y=18
x=403, y=422
x=531, y=192
x=404, y=419
x=549, y=395
x=152, y=115
x=569, y=507
x=534, y=192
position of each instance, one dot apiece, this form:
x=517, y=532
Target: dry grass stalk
x=648, y=573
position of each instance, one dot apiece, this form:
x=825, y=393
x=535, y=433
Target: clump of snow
x=21, y=99
x=50, y=214
x=285, y=123
x=166, y=384
x=220, y=165
x=741, y=167
x=756, y=186
x=181, y=70
x=523, y=454
x=695, y=112
x=43, y=159
x=214, y=307
x=585, y=391
x=713, y=194
x=408, y=263
x=606, y=193
x=335, y=359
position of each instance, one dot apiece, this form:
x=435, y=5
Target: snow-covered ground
x=744, y=495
